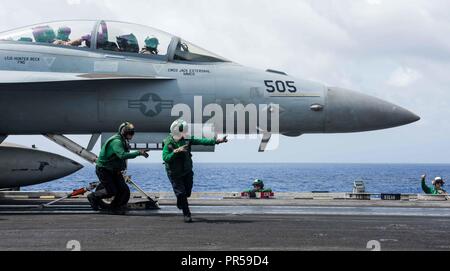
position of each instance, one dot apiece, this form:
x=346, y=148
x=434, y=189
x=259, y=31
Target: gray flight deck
x=223, y=221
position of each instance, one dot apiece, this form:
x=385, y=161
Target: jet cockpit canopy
x=113, y=37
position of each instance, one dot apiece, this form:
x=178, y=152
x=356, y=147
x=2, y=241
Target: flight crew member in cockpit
x=62, y=37
x=151, y=46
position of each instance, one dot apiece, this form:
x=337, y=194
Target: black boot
x=187, y=215
x=187, y=219
x=94, y=202
x=119, y=210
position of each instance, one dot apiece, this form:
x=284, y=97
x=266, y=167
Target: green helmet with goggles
x=63, y=33
x=151, y=43
x=259, y=183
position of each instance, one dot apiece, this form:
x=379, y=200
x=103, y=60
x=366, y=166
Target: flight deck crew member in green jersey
x=111, y=163
x=178, y=161
x=258, y=187
x=437, y=189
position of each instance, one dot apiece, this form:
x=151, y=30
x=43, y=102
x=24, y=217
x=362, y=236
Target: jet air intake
x=348, y=111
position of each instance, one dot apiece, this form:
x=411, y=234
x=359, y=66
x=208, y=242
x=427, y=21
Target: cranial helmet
x=151, y=43
x=64, y=33
x=258, y=182
x=126, y=128
x=179, y=129
x=438, y=180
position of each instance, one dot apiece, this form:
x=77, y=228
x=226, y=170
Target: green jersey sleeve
x=120, y=152
x=203, y=141
x=425, y=187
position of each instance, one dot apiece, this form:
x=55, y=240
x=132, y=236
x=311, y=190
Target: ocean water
x=378, y=178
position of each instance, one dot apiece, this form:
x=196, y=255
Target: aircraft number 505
x=280, y=86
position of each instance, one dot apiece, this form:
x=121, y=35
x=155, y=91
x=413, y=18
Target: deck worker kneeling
x=178, y=160
x=437, y=189
x=110, y=166
x=258, y=187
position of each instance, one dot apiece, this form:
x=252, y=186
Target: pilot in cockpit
x=151, y=46
x=62, y=37
x=44, y=34
x=128, y=43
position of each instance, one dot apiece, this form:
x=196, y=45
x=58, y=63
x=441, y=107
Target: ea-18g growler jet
x=86, y=77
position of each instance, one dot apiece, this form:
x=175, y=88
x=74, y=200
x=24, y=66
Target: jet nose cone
x=350, y=111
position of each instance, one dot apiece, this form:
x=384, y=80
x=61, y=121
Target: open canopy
x=114, y=38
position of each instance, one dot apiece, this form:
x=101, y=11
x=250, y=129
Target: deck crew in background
x=258, y=187
x=437, y=189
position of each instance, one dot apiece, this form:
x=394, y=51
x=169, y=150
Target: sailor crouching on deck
x=178, y=160
x=111, y=163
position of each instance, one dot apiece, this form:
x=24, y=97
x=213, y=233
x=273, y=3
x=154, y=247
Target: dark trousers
x=182, y=186
x=114, y=186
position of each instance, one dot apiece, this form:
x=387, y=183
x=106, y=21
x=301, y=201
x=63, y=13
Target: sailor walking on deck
x=178, y=160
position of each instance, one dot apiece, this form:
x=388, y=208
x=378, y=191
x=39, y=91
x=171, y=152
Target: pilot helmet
x=126, y=128
x=179, y=129
x=64, y=33
x=44, y=34
x=258, y=182
x=151, y=43
x=128, y=43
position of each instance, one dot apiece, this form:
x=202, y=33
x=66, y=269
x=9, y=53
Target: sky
x=397, y=50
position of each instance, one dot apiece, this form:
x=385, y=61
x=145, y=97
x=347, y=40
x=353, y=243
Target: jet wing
x=20, y=77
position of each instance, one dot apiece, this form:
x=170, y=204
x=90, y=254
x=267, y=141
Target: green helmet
x=258, y=182
x=44, y=34
x=151, y=43
x=64, y=33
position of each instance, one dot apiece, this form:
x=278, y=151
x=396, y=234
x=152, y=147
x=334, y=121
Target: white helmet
x=179, y=129
x=438, y=180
